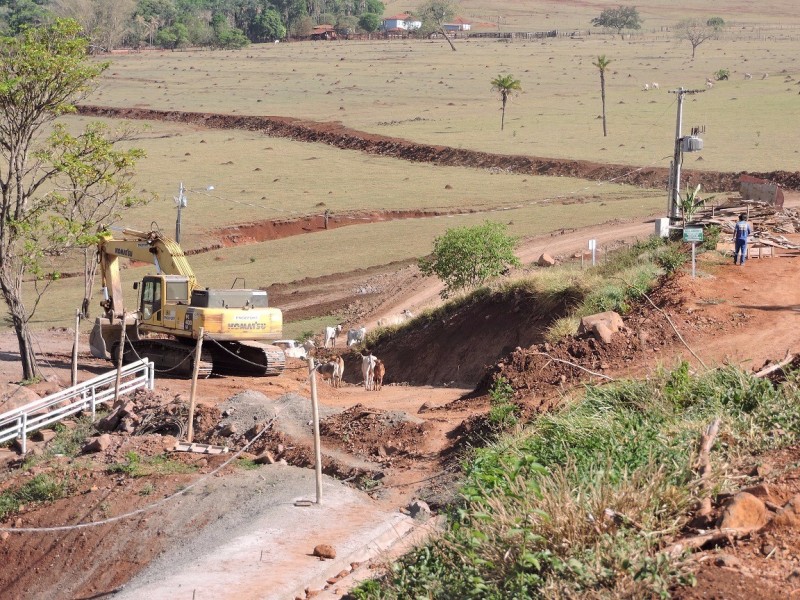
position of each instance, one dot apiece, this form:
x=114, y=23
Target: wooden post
x=315, y=419
x=119, y=359
x=195, y=370
x=75, y=348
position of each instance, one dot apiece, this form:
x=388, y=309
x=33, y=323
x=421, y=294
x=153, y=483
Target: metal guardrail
x=19, y=422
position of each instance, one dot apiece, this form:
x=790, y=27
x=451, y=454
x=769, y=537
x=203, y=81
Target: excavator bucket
x=97, y=342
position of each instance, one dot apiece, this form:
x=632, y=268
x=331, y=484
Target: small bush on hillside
x=42, y=488
x=466, y=257
x=503, y=412
x=722, y=75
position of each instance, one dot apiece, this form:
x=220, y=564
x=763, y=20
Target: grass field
x=350, y=248
x=422, y=91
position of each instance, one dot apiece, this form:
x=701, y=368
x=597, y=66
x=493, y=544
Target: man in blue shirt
x=741, y=231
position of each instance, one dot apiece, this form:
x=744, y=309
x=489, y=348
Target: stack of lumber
x=769, y=224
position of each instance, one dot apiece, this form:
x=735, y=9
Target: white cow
x=654, y=85
x=330, y=336
x=368, y=370
x=356, y=336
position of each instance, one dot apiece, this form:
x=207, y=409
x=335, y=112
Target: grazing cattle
x=654, y=85
x=765, y=75
x=331, y=333
x=646, y=87
x=339, y=372
x=356, y=336
x=329, y=371
x=748, y=76
x=379, y=372
x=310, y=347
x=368, y=370
x=709, y=84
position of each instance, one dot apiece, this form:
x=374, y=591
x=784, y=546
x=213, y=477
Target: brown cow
x=380, y=371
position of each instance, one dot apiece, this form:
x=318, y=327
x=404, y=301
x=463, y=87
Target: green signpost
x=693, y=235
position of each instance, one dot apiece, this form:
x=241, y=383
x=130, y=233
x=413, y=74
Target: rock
x=768, y=549
x=264, y=458
x=7, y=456
x=726, y=560
x=228, y=430
x=44, y=435
x=609, y=318
x=744, y=512
x=283, y=462
x=545, y=260
x=426, y=406
x=324, y=551
x=788, y=516
x=794, y=575
x=602, y=333
x=13, y=396
x=419, y=510
x=761, y=491
x=4, y=536
x=111, y=421
x=761, y=471
x=98, y=444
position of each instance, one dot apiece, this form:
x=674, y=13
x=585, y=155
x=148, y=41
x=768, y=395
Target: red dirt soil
x=337, y=135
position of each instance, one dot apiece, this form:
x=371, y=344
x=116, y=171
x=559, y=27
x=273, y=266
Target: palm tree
x=506, y=86
x=601, y=64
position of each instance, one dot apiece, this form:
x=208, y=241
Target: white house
x=458, y=24
x=401, y=21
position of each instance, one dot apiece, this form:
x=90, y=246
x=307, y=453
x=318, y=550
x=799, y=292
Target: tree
x=434, y=14
x=602, y=64
x=506, y=86
x=369, y=22
x=696, y=31
x=624, y=17
x=42, y=73
x=105, y=22
x=24, y=13
x=268, y=27
x=466, y=257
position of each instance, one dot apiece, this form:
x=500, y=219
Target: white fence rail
x=19, y=422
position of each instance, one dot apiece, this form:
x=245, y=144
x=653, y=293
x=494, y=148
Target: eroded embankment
x=339, y=136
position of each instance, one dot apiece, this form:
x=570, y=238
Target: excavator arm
x=150, y=247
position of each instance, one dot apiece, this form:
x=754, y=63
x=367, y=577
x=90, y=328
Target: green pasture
x=256, y=178
x=359, y=246
x=423, y=91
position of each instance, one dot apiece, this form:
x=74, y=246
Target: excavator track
x=171, y=358
x=248, y=359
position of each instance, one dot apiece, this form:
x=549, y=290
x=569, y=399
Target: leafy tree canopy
x=466, y=257
x=622, y=17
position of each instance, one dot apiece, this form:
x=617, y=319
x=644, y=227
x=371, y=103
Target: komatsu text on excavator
x=172, y=308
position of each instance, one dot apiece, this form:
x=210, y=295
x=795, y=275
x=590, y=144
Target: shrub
x=722, y=75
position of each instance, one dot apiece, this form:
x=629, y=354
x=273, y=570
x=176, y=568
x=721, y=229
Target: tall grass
x=533, y=521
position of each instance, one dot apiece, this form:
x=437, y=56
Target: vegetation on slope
x=531, y=523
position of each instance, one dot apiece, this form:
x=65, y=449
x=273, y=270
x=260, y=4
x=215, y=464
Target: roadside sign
x=692, y=234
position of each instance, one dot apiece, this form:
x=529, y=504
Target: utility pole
x=180, y=201
x=689, y=144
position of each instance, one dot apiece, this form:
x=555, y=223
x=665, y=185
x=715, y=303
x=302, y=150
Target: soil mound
x=455, y=347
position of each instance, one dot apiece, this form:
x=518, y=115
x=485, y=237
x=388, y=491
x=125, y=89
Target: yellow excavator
x=171, y=309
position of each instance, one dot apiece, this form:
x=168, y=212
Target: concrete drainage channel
x=261, y=546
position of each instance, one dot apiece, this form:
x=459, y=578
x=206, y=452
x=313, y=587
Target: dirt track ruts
x=339, y=136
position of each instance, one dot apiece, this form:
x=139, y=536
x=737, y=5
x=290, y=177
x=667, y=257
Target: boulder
x=98, y=444
x=324, y=551
x=743, y=512
x=13, y=396
x=610, y=319
x=419, y=510
x=788, y=516
x=602, y=333
x=111, y=421
x=545, y=260
x=43, y=435
x=265, y=458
